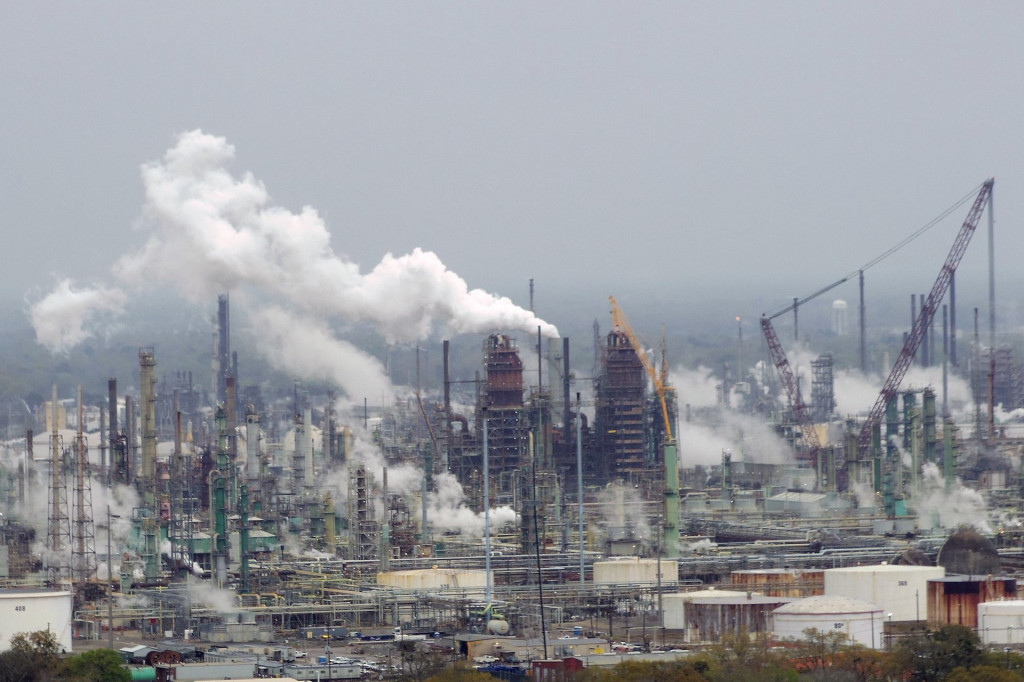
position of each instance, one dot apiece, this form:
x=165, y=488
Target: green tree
x=98, y=665
x=31, y=658
x=932, y=656
x=644, y=671
x=741, y=658
x=984, y=673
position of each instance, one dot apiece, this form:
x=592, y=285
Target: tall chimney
x=147, y=389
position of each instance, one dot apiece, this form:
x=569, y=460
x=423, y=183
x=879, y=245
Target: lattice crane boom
x=927, y=313
x=800, y=413
x=620, y=322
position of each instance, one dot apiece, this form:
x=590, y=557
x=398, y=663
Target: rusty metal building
x=507, y=420
x=795, y=583
x=620, y=421
x=954, y=600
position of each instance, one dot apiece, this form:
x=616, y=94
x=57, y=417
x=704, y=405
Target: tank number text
x=19, y=608
x=901, y=583
x=837, y=626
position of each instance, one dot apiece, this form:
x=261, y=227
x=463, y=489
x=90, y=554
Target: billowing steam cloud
x=447, y=508
x=60, y=318
x=306, y=348
x=938, y=508
x=213, y=232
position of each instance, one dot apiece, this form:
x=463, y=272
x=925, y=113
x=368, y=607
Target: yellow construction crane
x=659, y=380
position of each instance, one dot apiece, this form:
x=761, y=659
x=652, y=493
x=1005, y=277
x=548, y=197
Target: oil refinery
x=535, y=510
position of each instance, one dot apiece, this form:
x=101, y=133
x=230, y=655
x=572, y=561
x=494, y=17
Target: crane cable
x=878, y=259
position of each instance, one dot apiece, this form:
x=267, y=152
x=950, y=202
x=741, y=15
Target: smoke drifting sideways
x=66, y=316
x=210, y=232
x=715, y=430
x=447, y=506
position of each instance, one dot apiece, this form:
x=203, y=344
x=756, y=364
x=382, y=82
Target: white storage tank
x=1001, y=622
x=32, y=610
x=860, y=621
x=630, y=570
x=435, y=579
x=903, y=590
x=709, y=615
x=674, y=605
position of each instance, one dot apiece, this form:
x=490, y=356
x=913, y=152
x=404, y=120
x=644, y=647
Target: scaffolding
x=507, y=421
x=83, y=553
x=620, y=410
x=363, y=527
x=58, y=528
x=823, y=400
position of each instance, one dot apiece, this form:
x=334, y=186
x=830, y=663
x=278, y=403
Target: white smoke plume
x=747, y=437
x=212, y=232
x=938, y=508
x=695, y=387
x=208, y=594
x=305, y=347
x=623, y=513
x=64, y=318
x=856, y=393
x=447, y=510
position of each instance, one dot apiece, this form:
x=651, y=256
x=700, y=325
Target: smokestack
x=177, y=424
x=445, y=350
x=252, y=446
x=952, y=319
x=308, y=447
x=112, y=424
x=231, y=409
x=223, y=346
x=566, y=407
x=299, y=458
x=385, y=528
x=130, y=466
x=796, y=319
x=147, y=378
x=863, y=324
x=330, y=430
x=913, y=319
x=30, y=455
x=945, y=355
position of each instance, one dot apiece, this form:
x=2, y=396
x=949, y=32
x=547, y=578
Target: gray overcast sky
x=765, y=148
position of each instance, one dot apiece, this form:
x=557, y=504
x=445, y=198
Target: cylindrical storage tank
x=860, y=621
x=795, y=583
x=33, y=610
x=435, y=579
x=1001, y=622
x=674, y=605
x=954, y=600
x=708, y=615
x=635, y=570
x=902, y=589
